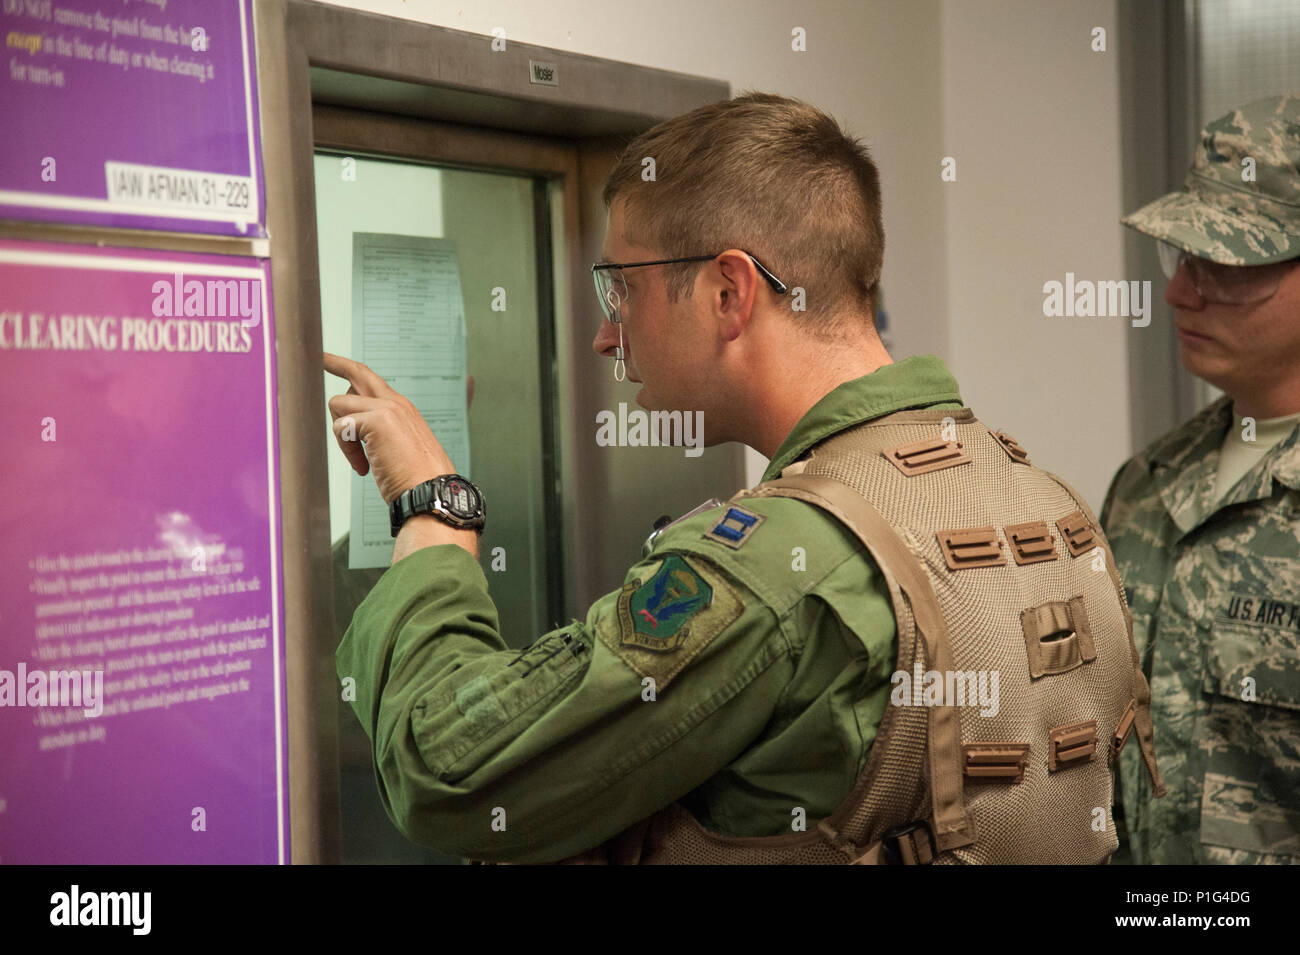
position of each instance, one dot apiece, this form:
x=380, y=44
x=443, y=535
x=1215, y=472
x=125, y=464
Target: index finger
x=362, y=378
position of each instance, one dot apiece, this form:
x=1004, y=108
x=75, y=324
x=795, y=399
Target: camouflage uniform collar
x=1286, y=460
x=1199, y=435
x=915, y=382
x=1281, y=464
x=1185, y=463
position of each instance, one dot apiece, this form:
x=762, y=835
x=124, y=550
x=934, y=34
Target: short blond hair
x=773, y=176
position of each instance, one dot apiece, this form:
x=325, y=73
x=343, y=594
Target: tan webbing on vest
x=951, y=827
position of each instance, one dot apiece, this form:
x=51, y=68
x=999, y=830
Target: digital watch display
x=451, y=497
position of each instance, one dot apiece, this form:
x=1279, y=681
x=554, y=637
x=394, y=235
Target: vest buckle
x=900, y=845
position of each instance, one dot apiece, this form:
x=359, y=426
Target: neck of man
x=1262, y=400
x=795, y=372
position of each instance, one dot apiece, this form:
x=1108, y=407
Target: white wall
x=1009, y=88
x=1031, y=114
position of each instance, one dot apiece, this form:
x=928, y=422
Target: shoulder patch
x=665, y=620
x=656, y=615
x=736, y=527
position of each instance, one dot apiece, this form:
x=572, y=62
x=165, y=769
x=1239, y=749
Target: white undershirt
x=1238, y=456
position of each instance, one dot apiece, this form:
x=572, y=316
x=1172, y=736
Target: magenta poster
x=142, y=714
x=135, y=113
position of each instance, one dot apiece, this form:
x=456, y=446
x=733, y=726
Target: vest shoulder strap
x=950, y=823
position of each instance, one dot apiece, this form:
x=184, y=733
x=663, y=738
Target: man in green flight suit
x=1205, y=523
x=721, y=677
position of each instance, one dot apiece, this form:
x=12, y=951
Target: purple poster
x=136, y=113
x=142, y=714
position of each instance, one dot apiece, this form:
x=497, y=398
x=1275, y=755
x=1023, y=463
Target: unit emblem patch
x=666, y=619
x=656, y=615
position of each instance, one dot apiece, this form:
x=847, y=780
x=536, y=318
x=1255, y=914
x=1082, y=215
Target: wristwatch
x=453, y=498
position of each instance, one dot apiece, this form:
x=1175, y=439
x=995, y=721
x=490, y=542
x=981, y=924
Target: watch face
x=459, y=497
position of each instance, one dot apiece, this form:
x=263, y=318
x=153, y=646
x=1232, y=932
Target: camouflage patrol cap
x=1222, y=213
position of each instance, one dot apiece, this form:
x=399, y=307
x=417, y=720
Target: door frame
x=311, y=53
x=552, y=165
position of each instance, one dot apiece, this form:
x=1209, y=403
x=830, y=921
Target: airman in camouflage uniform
x=1210, y=555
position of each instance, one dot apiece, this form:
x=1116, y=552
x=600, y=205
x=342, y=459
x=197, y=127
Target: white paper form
x=408, y=325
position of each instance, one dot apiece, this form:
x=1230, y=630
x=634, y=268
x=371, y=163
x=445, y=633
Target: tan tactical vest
x=993, y=566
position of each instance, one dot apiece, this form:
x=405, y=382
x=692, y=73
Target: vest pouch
x=1058, y=637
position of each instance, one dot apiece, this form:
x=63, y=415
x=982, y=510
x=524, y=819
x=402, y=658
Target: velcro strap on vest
x=951, y=827
x=1123, y=730
x=926, y=455
x=1031, y=543
x=996, y=762
x=1077, y=532
x=1070, y=745
x=1146, y=735
x=971, y=547
x=1010, y=445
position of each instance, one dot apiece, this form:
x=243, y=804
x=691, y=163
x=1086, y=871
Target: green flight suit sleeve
x=536, y=755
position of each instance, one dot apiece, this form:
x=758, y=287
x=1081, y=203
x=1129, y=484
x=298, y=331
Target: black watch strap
x=404, y=506
x=423, y=499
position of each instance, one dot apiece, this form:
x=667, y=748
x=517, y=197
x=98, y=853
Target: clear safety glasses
x=1225, y=284
x=611, y=289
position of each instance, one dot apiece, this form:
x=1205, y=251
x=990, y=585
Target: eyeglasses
x=611, y=289
x=1225, y=284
